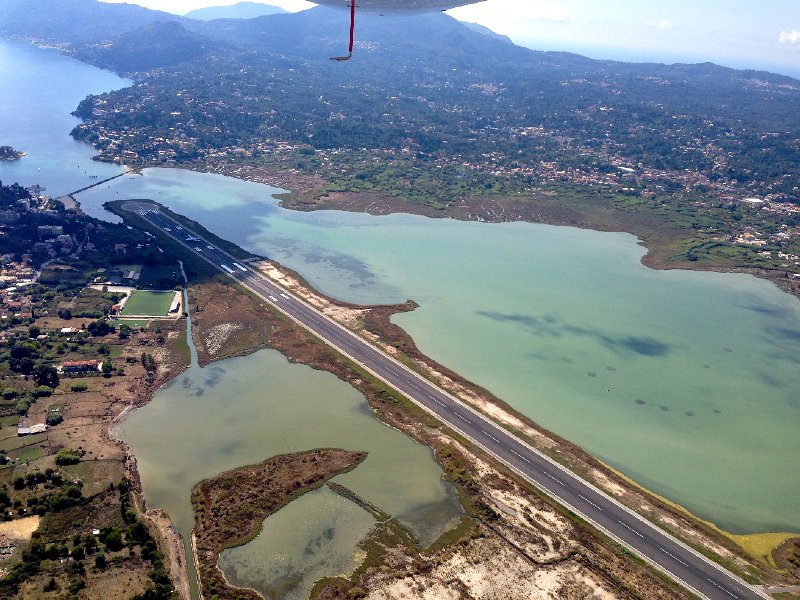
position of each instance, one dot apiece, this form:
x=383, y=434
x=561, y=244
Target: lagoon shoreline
x=307, y=195
x=376, y=323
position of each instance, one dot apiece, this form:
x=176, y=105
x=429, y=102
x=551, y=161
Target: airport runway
x=686, y=566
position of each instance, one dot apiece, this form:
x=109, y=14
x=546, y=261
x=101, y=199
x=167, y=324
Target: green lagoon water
x=244, y=410
x=687, y=382
x=328, y=523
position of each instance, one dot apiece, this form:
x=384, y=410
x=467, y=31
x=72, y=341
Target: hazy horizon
x=736, y=34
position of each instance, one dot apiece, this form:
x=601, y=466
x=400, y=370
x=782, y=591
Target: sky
x=752, y=34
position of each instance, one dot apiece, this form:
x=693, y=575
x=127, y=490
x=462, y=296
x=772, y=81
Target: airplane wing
x=387, y=6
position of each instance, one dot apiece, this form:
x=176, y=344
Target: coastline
x=461, y=466
x=169, y=539
x=357, y=203
x=379, y=329
x=375, y=325
x=308, y=194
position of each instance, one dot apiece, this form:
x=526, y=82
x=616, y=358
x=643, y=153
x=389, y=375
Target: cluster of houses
x=13, y=277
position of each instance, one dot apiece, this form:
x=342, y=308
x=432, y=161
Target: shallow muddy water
x=242, y=411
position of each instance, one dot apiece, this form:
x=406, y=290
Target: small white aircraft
x=389, y=6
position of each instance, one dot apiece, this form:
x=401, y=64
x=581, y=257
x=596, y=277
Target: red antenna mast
x=352, y=33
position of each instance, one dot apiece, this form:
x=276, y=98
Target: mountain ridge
x=430, y=86
x=240, y=10
x=87, y=22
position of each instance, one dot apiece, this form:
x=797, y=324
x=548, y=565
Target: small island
x=230, y=508
x=8, y=153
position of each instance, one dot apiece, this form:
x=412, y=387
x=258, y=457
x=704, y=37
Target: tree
x=113, y=541
x=22, y=407
x=79, y=386
x=19, y=351
x=107, y=368
x=67, y=457
x=99, y=328
x=24, y=365
x=46, y=375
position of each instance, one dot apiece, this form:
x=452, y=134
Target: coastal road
x=686, y=566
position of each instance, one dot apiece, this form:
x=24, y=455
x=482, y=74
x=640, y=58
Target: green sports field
x=148, y=304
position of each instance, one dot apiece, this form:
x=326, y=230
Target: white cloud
x=502, y=13
x=789, y=37
x=662, y=24
x=289, y=5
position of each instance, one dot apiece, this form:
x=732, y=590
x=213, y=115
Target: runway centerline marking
x=718, y=586
x=487, y=434
x=522, y=457
x=668, y=553
x=626, y=526
x=592, y=503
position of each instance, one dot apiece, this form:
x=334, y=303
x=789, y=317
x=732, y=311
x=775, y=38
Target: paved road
x=661, y=550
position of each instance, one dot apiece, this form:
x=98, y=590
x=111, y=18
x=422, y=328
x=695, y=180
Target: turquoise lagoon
x=688, y=382
x=243, y=410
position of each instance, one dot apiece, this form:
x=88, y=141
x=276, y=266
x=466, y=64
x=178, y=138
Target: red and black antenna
x=352, y=33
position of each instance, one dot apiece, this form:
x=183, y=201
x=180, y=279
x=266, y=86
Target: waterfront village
x=723, y=208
